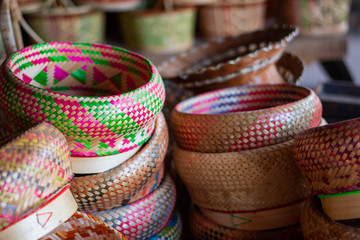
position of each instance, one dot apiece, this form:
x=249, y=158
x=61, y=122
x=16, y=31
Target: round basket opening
x=80, y=69
x=242, y=99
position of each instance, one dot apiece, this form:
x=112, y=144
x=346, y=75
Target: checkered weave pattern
x=146, y=217
x=247, y=117
x=35, y=165
x=316, y=225
x=102, y=98
x=329, y=157
x=85, y=227
x=250, y=180
x=172, y=231
x=127, y=183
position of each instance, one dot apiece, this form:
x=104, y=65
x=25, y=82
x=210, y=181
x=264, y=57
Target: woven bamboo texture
x=249, y=180
x=127, y=183
x=205, y=229
x=246, y=117
x=111, y=5
x=73, y=24
x=172, y=231
x=35, y=165
x=160, y=32
x=328, y=157
x=146, y=217
x=316, y=225
x=230, y=19
x=222, y=57
x=103, y=99
x=318, y=17
x=83, y=226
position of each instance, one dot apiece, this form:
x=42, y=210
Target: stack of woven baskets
x=234, y=153
x=107, y=102
x=328, y=156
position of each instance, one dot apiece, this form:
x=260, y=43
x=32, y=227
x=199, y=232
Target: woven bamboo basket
x=318, y=17
x=193, y=2
x=249, y=180
x=103, y=99
x=111, y=5
x=48, y=215
x=146, y=217
x=83, y=226
x=203, y=228
x=30, y=6
x=230, y=18
x=172, y=231
x=127, y=183
x=68, y=23
x=328, y=157
x=247, y=117
x=266, y=219
x=316, y=225
x=230, y=61
x=35, y=165
x=158, y=31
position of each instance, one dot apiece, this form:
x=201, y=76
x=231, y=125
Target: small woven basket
x=103, y=99
x=83, y=226
x=111, y=5
x=249, y=180
x=35, y=165
x=172, y=231
x=246, y=117
x=316, y=225
x=72, y=24
x=328, y=157
x=231, y=61
x=127, y=183
x=158, y=31
x=203, y=228
x=225, y=19
x=147, y=216
x=318, y=17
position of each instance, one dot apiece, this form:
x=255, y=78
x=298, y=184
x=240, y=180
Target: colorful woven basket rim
x=150, y=65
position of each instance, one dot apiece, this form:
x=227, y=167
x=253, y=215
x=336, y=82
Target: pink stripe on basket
x=80, y=59
x=40, y=61
x=67, y=50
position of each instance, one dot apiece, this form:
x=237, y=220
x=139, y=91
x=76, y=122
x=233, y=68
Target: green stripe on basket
x=339, y=194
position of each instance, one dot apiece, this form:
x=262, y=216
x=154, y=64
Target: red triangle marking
x=42, y=219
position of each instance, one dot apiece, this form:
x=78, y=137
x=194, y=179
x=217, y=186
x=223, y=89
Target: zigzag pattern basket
x=147, y=216
x=172, y=231
x=103, y=99
x=35, y=165
x=127, y=183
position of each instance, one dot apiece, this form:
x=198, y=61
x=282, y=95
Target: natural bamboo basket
x=328, y=157
x=230, y=18
x=104, y=99
x=203, y=228
x=43, y=219
x=249, y=180
x=318, y=17
x=69, y=24
x=232, y=60
x=35, y=165
x=111, y=5
x=341, y=206
x=147, y=216
x=172, y=231
x=316, y=225
x=246, y=117
x=127, y=183
x=158, y=31
x=83, y=226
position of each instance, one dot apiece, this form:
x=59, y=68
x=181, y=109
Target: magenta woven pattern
x=146, y=217
x=329, y=157
x=34, y=166
x=247, y=117
x=103, y=99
